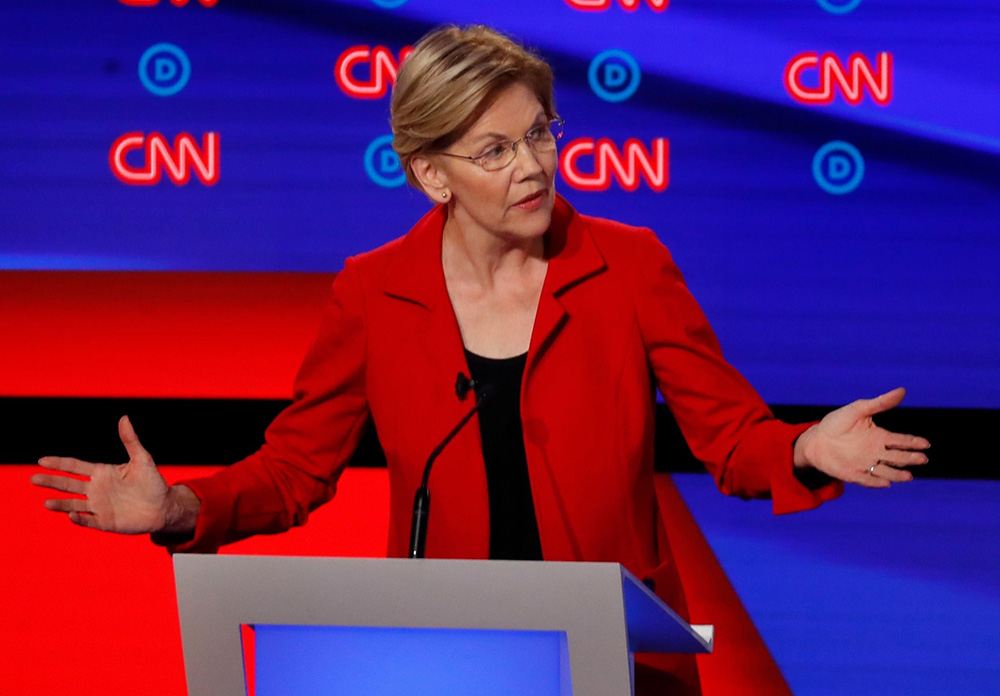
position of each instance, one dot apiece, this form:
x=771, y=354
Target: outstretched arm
x=307, y=446
x=847, y=445
x=129, y=498
x=730, y=428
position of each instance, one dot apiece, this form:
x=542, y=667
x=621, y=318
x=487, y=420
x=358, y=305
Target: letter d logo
x=164, y=69
x=838, y=167
x=382, y=163
x=614, y=75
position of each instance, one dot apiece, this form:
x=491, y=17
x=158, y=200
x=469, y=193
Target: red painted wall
x=218, y=335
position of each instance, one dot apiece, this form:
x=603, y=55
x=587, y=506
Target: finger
x=869, y=480
x=84, y=520
x=888, y=473
x=66, y=505
x=899, y=441
x=60, y=483
x=900, y=458
x=862, y=478
x=68, y=464
x=881, y=403
x=131, y=441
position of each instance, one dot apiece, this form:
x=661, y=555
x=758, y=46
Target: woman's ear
x=432, y=180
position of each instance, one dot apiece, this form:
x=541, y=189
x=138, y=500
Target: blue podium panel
x=349, y=661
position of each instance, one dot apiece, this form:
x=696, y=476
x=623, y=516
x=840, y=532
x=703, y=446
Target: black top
x=513, y=526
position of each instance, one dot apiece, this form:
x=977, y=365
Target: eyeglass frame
x=512, y=144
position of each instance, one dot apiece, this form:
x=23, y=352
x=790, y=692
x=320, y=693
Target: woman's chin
x=534, y=222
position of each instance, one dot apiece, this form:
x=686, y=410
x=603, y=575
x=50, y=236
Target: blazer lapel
x=573, y=258
x=458, y=486
x=416, y=276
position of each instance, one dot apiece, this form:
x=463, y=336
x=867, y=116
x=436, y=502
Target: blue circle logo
x=838, y=6
x=164, y=69
x=838, y=167
x=614, y=75
x=382, y=163
x=389, y=4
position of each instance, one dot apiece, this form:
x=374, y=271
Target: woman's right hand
x=130, y=498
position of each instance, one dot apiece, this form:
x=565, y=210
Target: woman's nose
x=527, y=164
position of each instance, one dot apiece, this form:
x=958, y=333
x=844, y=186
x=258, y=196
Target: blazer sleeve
x=725, y=422
x=306, y=446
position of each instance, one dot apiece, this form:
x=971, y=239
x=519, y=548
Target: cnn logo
x=381, y=65
x=628, y=165
x=178, y=160
x=629, y=5
x=851, y=81
x=176, y=3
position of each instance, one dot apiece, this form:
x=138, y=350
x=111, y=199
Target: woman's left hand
x=847, y=445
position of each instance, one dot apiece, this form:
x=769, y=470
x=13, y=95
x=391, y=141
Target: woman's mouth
x=532, y=202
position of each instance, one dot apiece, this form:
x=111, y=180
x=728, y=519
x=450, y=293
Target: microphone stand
x=422, y=498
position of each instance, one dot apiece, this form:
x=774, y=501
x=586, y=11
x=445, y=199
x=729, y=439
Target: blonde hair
x=452, y=77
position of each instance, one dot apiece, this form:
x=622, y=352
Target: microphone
x=422, y=498
x=462, y=385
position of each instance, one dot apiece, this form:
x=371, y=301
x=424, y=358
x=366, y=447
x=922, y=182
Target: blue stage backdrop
x=825, y=172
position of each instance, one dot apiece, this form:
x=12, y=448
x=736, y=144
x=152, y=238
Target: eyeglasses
x=497, y=156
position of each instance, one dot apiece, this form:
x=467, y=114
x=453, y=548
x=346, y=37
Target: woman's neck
x=483, y=258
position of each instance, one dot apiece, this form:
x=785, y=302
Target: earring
x=444, y=194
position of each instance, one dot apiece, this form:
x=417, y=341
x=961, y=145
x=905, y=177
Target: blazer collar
x=416, y=275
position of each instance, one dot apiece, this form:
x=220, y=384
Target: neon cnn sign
x=176, y=3
x=178, y=161
x=382, y=70
x=628, y=165
x=628, y=5
x=851, y=80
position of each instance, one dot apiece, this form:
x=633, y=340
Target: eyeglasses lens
x=541, y=140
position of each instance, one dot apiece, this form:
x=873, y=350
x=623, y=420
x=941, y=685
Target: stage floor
x=883, y=592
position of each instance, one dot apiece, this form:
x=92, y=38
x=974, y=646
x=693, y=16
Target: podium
x=319, y=619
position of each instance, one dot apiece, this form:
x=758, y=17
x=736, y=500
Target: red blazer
x=614, y=322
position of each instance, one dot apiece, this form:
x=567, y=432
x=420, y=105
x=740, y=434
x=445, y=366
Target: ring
x=871, y=469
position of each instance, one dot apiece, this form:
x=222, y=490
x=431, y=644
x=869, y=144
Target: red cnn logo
x=626, y=165
x=850, y=81
x=630, y=5
x=178, y=161
x=382, y=69
x=178, y=3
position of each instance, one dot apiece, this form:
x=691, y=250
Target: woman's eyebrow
x=493, y=135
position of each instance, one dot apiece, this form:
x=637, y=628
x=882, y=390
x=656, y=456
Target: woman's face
x=514, y=202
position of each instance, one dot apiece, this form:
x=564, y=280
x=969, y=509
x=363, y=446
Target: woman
x=567, y=316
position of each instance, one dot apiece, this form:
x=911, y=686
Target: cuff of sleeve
x=789, y=493
x=213, y=523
